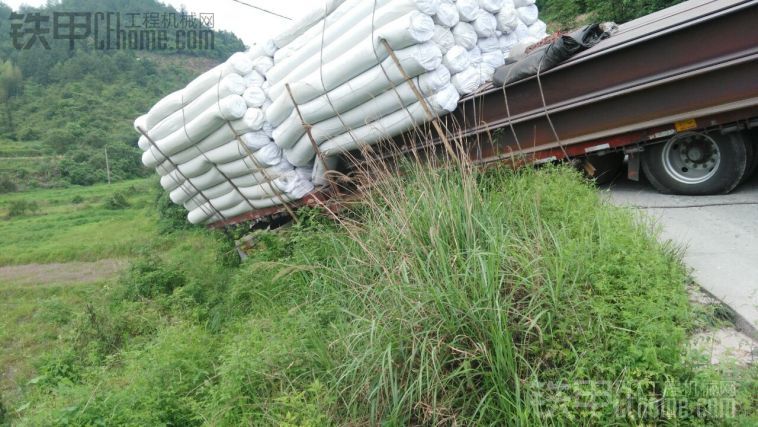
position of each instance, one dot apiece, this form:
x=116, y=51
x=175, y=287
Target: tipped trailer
x=674, y=93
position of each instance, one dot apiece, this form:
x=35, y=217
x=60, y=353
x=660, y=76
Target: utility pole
x=107, y=166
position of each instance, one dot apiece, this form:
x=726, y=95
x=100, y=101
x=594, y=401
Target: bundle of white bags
x=234, y=140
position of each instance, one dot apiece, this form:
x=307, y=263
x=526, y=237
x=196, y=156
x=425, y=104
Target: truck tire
x=751, y=146
x=696, y=163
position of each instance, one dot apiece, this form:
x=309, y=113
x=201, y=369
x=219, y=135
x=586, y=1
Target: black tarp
x=549, y=56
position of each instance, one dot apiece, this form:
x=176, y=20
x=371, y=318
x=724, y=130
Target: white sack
x=467, y=81
x=489, y=44
x=468, y=10
x=443, y=38
x=528, y=14
x=538, y=30
x=456, y=59
x=447, y=15
x=254, y=97
x=485, y=24
x=507, y=18
x=465, y=35
x=492, y=6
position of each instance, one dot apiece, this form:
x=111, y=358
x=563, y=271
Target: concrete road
x=719, y=235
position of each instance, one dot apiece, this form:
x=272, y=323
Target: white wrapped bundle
x=468, y=10
x=360, y=23
x=236, y=64
x=538, y=30
x=443, y=38
x=465, y=35
x=232, y=84
x=523, y=3
x=409, y=30
x=467, y=81
x=507, y=18
x=507, y=41
x=302, y=152
x=390, y=125
x=485, y=24
x=252, y=120
x=492, y=6
x=367, y=86
x=414, y=60
x=489, y=44
x=254, y=96
x=447, y=15
x=456, y=60
x=528, y=14
x=232, y=107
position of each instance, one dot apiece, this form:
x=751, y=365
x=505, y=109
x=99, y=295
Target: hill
x=73, y=104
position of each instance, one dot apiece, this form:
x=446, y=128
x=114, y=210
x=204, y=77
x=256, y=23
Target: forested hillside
x=564, y=13
x=71, y=104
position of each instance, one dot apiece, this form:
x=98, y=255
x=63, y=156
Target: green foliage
x=171, y=217
x=451, y=300
x=7, y=186
x=150, y=277
x=77, y=102
x=117, y=201
x=565, y=12
x=22, y=207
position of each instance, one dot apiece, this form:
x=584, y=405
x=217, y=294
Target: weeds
x=448, y=297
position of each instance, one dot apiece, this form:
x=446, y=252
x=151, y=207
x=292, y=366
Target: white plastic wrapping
x=443, y=38
x=457, y=59
x=485, y=24
x=468, y=10
x=447, y=15
x=465, y=35
x=528, y=14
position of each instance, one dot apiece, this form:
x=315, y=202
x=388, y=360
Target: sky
x=247, y=23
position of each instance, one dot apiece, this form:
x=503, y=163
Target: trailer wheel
x=696, y=163
x=751, y=146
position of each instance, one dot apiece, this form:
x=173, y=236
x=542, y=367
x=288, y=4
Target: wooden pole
x=107, y=166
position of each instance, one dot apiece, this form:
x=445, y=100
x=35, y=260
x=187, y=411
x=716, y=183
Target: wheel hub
x=691, y=158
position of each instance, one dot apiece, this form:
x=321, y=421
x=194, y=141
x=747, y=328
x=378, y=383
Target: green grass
x=446, y=297
x=74, y=225
x=32, y=317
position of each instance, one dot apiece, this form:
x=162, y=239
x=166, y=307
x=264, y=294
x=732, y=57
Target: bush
x=149, y=277
x=77, y=200
x=22, y=207
x=117, y=201
x=7, y=186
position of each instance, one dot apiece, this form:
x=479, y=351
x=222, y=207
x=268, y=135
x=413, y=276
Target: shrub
x=117, y=201
x=77, y=200
x=22, y=207
x=7, y=186
x=149, y=277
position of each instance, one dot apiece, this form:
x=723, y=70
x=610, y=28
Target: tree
x=10, y=86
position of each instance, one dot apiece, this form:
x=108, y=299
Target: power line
x=262, y=9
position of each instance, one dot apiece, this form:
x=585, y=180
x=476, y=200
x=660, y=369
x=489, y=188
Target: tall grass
x=464, y=289
x=447, y=296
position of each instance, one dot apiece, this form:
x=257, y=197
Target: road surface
x=719, y=235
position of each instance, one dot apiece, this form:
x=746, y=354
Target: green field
x=455, y=300
x=74, y=224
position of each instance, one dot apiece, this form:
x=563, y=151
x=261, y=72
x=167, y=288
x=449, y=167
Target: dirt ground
x=71, y=272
